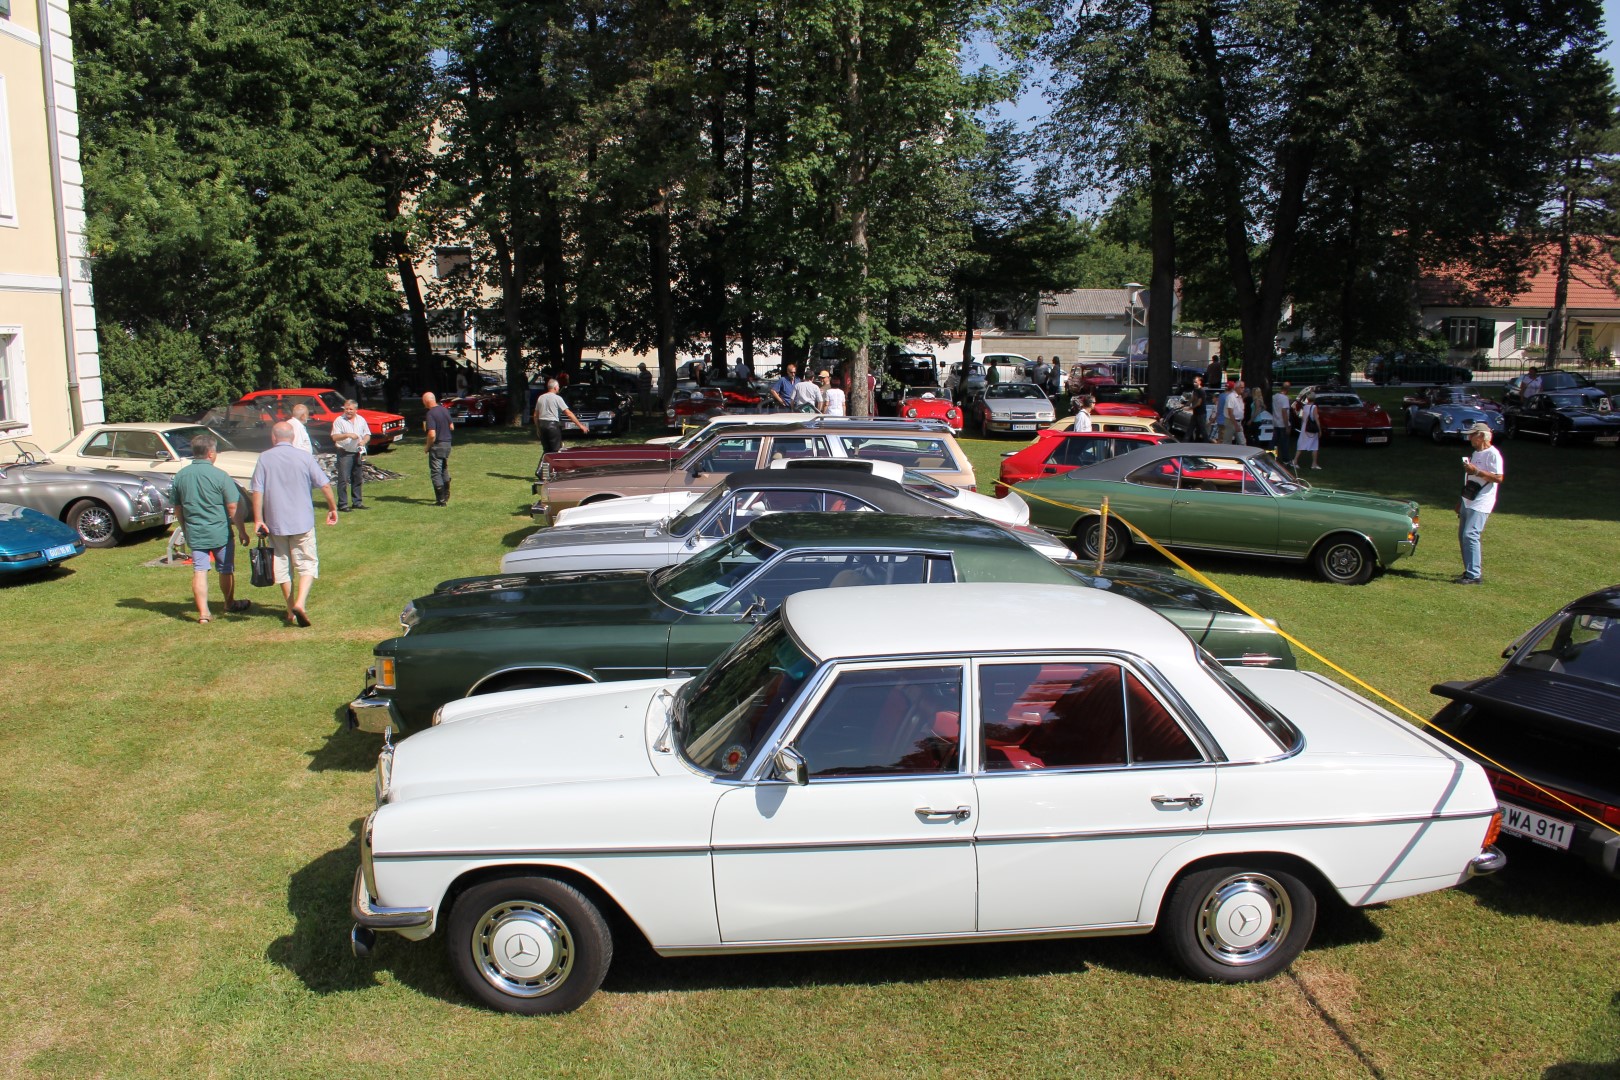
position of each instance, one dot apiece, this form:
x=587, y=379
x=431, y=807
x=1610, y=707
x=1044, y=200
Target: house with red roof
x=1500, y=328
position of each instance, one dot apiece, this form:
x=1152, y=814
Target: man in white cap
x=1482, y=473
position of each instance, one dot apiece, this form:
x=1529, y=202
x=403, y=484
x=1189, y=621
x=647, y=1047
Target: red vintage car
x=483, y=407
x=1055, y=452
x=325, y=405
x=1344, y=416
x=930, y=403
x=692, y=404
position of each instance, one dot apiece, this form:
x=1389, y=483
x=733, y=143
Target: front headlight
x=605, y=414
x=385, y=673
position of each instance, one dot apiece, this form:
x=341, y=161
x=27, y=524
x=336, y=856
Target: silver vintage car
x=103, y=505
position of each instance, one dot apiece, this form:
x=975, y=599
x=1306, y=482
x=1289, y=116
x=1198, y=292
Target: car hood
x=1334, y=497
x=23, y=529
x=523, y=738
x=56, y=474
x=1000, y=405
x=550, y=599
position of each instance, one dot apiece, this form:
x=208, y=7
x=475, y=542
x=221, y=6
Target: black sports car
x=1552, y=715
x=1562, y=417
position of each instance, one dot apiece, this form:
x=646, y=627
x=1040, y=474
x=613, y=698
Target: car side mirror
x=789, y=766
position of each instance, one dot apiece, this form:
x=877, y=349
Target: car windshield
x=1564, y=401
x=922, y=391
x=723, y=715
x=682, y=523
x=1577, y=646
x=1561, y=380
x=179, y=440
x=1338, y=401
x=22, y=453
x=332, y=400
x=1015, y=390
x=1276, y=474
x=691, y=586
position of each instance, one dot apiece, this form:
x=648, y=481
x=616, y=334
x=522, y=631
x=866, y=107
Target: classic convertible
x=1445, y=412
x=1232, y=499
x=482, y=635
x=929, y=403
x=1562, y=417
x=102, y=505
x=30, y=540
x=910, y=765
x=1345, y=416
x=1552, y=715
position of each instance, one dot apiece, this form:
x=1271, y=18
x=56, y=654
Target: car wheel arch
x=1369, y=549
x=617, y=914
x=1168, y=874
x=527, y=678
x=600, y=496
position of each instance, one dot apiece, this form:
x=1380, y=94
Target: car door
x=878, y=843
x=1221, y=504
x=1086, y=780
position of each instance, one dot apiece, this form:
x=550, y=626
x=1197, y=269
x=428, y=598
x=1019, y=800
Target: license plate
x=1377, y=438
x=398, y=437
x=1023, y=427
x=1607, y=440
x=1538, y=827
x=59, y=552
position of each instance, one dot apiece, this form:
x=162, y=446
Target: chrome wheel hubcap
x=95, y=525
x=522, y=948
x=1244, y=919
x=1344, y=561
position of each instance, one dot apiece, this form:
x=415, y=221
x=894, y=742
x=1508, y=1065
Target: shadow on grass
x=186, y=610
x=345, y=748
x=1591, y=1070
x=516, y=536
x=1543, y=884
x=43, y=573
x=511, y=476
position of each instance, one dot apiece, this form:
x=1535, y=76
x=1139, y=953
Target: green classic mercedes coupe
x=1232, y=499
x=515, y=631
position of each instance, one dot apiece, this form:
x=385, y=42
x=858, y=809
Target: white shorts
x=299, y=550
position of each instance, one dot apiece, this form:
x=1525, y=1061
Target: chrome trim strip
x=585, y=675
x=378, y=917
x=966, y=937
x=550, y=853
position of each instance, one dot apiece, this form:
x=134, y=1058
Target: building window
x=8, y=187
x=1533, y=333
x=10, y=370
x=1584, y=337
x=449, y=261
x=1463, y=333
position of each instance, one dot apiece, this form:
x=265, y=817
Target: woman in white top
x=832, y=396
x=1310, y=431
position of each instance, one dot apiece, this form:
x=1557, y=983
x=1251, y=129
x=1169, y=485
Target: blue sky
x=1611, y=18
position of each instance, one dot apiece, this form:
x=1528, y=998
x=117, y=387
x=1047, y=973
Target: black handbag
x=262, y=561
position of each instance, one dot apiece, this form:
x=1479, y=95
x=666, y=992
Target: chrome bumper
x=370, y=712
x=375, y=916
x=1488, y=861
x=541, y=512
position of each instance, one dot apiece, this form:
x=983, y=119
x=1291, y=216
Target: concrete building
x=50, y=375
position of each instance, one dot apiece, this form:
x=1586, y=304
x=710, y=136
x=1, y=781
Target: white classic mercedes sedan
x=906, y=765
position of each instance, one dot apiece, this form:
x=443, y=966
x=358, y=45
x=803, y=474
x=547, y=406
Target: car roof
x=883, y=530
x=1116, y=468
x=808, y=422
x=1603, y=602
x=973, y=618
x=851, y=481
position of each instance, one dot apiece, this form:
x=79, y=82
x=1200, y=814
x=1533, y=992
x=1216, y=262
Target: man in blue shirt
x=439, y=428
x=782, y=387
x=281, y=510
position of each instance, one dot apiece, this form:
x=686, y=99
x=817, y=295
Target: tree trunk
x=861, y=366
x=1347, y=289
x=970, y=315
x=662, y=295
x=1560, y=311
x=1162, y=283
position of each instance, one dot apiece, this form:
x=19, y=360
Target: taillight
x=1507, y=785
x=1494, y=831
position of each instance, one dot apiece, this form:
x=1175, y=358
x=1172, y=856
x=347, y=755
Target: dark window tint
x=1159, y=474
x=1155, y=735
x=828, y=570
x=1049, y=716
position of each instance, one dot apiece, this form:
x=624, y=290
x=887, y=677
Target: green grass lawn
x=180, y=807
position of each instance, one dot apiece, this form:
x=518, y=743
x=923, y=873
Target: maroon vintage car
x=693, y=404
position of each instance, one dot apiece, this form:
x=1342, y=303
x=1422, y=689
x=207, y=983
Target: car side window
x=827, y=570
x=908, y=453
x=729, y=456
x=886, y=722
x=1073, y=715
x=138, y=444
x=798, y=447
x=100, y=445
x=1159, y=474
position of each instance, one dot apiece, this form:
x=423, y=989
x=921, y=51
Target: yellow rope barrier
x=1105, y=513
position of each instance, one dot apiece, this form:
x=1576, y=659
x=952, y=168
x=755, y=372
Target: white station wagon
x=904, y=765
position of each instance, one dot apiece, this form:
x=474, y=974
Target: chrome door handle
x=960, y=813
x=1191, y=802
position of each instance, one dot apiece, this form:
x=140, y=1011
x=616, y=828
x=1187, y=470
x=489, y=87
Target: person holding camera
x=1482, y=472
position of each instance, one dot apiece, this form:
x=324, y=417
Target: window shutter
x=1518, y=333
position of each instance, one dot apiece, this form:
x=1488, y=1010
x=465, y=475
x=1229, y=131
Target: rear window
x=1286, y=736
x=909, y=452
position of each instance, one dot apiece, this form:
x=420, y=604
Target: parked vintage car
x=1345, y=417
x=1230, y=499
x=325, y=405
x=30, y=540
x=1121, y=401
x=1446, y=412
x=102, y=505
x=693, y=404
x=1054, y=453
x=483, y=407
x=603, y=409
x=925, y=446
x=1301, y=368
x=819, y=485
x=1552, y=715
x=483, y=635
x=1563, y=419
x=930, y=403
x=1101, y=421
x=938, y=764
x=1399, y=367
x=150, y=448
x=1011, y=408
x=1554, y=380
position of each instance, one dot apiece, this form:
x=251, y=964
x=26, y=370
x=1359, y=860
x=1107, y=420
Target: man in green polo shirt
x=206, y=503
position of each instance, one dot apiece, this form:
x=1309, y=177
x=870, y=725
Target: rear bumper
x=1486, y=862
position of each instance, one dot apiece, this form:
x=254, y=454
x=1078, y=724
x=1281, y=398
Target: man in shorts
x=281, y=510
x=206, y=503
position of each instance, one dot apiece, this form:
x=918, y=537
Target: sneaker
x=1464, y=579
x=343, y=509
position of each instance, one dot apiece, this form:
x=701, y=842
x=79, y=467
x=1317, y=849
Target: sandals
x=205, y=619
x=300, y=617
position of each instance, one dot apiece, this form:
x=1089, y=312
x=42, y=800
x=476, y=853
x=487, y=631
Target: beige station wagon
x=925, y=447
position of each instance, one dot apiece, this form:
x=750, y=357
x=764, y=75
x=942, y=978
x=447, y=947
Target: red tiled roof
x=1588, y=285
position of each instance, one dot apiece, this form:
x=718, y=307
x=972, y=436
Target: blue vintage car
x=30, y=540
x=1446, y=412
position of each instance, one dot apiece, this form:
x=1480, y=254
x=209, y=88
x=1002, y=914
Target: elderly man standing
x=300, y=423
x=351, y=434
x=1482, y=474
x=282, y=481
x=207, y=502
x=439, y=432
